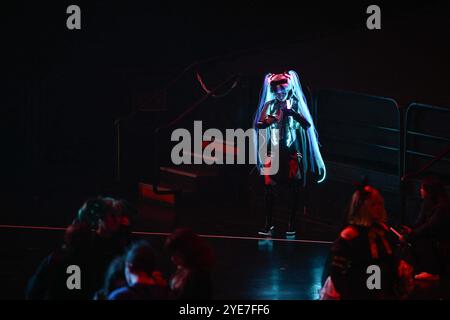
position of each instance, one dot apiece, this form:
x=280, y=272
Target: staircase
x=194, y=184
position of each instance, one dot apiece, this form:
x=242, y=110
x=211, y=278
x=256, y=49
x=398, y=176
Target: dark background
x=64, y=89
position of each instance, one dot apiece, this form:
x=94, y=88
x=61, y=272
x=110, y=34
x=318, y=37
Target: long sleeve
x=297, y=116
x=196, y=287
x=437, y=222
x=38, y=285
x=262, y=123
x=300, y=119
x=340, y=264
x=421, y=218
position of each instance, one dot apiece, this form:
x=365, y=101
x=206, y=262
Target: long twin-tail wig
x=310, y=143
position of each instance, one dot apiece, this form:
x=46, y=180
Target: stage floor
x=247, y=267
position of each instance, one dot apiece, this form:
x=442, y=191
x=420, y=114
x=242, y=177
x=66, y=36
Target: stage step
x=193, y=185
x=189, y=178
x=222, y=147
x=147, y=192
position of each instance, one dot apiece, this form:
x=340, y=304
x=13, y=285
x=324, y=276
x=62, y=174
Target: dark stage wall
x=65, y=90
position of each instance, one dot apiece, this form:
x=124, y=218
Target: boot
x=268, y=203
x=295, y=190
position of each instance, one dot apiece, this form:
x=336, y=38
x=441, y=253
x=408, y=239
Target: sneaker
x=290, y=233
x=425, y=276
x=267, y=231
x=290, y=230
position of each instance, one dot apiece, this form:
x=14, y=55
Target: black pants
x=297, y=193
x=426, y=255
x=290, y=174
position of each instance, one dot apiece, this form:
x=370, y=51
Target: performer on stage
x=283, y=109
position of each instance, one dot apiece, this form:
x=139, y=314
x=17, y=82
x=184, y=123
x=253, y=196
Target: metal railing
x=173, y=81
x=324, y=124
x=177, y=120
x=428, y=165
x=412, y=132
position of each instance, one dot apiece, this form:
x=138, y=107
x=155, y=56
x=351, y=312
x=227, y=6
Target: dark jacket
x=140, y=292
x=433, y=222
x=192, y=285
x=49, y=282
x=353, y=252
